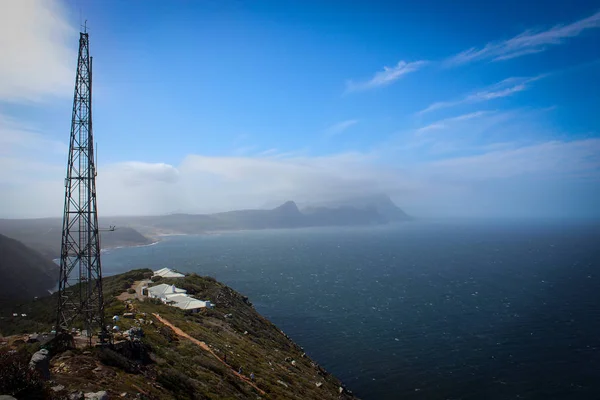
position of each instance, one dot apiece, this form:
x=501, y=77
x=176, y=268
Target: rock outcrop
x=40, y=361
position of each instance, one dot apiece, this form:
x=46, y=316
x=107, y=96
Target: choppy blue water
x=419, y=310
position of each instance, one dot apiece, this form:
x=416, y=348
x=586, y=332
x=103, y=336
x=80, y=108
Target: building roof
x=188, y=303
x=163, y=289
x=175, y=297
x=168, y=273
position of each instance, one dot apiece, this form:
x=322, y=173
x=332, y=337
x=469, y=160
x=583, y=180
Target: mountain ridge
x=44, y=235
x=25, y=272
x=374, y=210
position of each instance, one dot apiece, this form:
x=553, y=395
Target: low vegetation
x=165, y=365
x=39, y=315
x=16, y=379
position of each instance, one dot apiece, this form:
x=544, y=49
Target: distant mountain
x=25, y=272
x=286, y=215
x=381, y=203
x=45, y=235
x=371, y=210
x=343, y=216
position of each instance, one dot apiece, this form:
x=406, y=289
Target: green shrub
x=180, y=384
x=16, y=379
x=112, y=358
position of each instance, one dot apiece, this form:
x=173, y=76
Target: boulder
x=102, y=395
x=40, y=361
x=76, y=396
x=33, y=338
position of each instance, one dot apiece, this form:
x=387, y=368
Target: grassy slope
x=41, y=313
x=182, y=370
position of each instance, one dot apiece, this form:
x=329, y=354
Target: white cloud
x=268, y=152
x=137, y=173
x=448, y=122
x=431, y=127
x=138, y=188
x=244, y=150
x=551, y=158
x=340, y=127
x=202, y=183
x=504, y=88
x=528, y=42
x=386, y=77
x=38, y=59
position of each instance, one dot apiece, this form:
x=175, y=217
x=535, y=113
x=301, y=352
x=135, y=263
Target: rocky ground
x=160, y=352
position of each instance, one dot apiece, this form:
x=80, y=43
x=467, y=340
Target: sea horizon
x=416, y=310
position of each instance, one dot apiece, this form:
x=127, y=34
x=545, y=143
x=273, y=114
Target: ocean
x=419, y=310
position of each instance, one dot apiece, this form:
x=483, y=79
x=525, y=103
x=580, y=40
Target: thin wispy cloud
x=17, y=138
x=504, y=88
x=340, y=127
x=528, y=42
x=268, y=152
x=386, y=77
x=244, y=150
x=549, y=157
x=445, y=123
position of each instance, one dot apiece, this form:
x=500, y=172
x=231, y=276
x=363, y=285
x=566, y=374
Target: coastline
x=155, y=241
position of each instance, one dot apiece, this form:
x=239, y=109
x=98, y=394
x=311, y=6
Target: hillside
x=203, y=363
x=371, y=210
x=25, y=273
x=45, y=235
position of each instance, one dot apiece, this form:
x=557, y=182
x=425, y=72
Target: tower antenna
x=80, y=281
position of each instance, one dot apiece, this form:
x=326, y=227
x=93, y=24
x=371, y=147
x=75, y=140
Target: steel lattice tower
x=80, y=281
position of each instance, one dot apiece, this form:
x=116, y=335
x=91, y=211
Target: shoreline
x=130, y=246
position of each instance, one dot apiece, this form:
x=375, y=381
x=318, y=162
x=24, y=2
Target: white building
x=163, y=290
x=176, y=297
x=187, y=303
x=168, y=273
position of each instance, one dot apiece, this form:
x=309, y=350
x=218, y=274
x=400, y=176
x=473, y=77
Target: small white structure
x=161, y=291
x=168, y=273
x=176, y=297
x=187, y=303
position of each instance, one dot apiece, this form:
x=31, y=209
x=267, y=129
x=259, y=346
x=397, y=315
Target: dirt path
x=126, y=295
x=204, y=346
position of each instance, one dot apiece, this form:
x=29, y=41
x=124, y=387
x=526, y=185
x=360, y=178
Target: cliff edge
x=162, y=352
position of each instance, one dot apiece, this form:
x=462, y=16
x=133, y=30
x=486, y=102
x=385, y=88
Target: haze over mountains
x=370, y=210
x=44, y=235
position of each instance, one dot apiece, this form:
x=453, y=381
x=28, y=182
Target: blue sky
x=453, y=108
